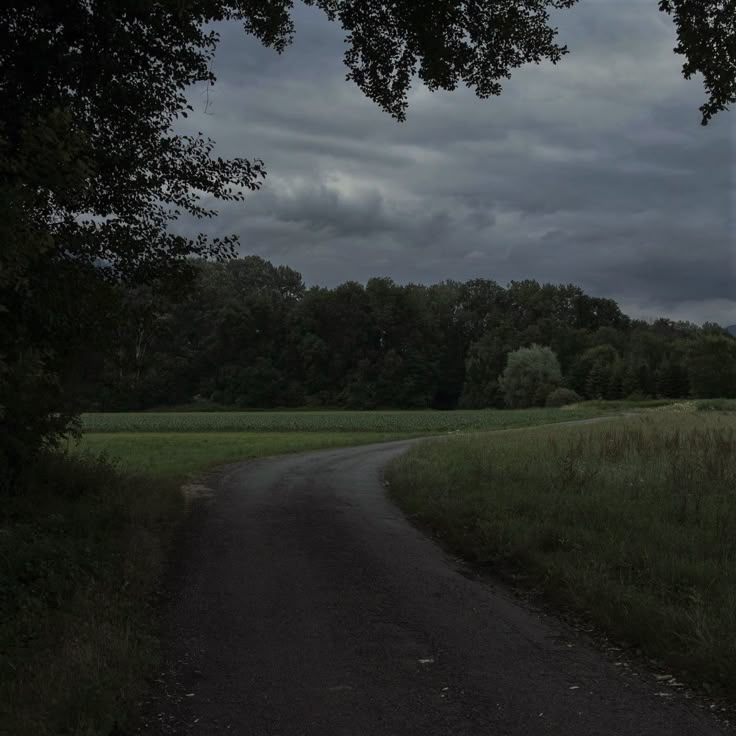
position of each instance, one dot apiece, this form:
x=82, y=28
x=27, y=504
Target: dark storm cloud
x=595, y=171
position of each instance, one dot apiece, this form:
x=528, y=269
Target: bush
x=562, y=397
x=33, y=414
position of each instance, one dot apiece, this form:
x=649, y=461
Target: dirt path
x=306, y=605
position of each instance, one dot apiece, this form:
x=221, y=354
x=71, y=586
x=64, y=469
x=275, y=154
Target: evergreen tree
x=712, y=367
x=598, y=381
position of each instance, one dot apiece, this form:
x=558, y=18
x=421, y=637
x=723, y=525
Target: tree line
x=250, y=334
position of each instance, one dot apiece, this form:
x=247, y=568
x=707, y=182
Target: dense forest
x=249, y=334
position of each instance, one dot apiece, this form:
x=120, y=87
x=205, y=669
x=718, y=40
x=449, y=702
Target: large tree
x=531, y=374
x=712, y=366
x=92, y=176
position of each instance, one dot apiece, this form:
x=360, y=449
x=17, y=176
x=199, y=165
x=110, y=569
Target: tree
x=484, y=364
x=671, y=379
x=706, y=33
x=598, y=381
x=615, y=388
x=247, y=333
x=599, y=359
x=530, y=376
x=712, y=367
x=91, y=176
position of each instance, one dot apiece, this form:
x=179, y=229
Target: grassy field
x=171, y=445
x=178, y=454
x=629, y=521
x=622, y=406
x=393, y=422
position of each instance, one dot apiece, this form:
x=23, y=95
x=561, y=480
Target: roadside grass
x=622, y=405
x=81, y=552
x=629, y=521
x=174, y=455
x=716, y=405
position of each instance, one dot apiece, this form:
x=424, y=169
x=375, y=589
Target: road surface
x=304, y=604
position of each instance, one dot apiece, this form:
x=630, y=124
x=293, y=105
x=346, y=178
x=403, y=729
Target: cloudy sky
x=595, y=171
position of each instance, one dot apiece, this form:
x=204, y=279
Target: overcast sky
x=595, y=171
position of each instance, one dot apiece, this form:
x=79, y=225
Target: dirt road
x=304, y=604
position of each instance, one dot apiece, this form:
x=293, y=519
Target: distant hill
x=731, y=329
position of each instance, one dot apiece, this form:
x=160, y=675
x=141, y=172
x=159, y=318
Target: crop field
x=409, y=422
x=629, y=521
x=173, y=444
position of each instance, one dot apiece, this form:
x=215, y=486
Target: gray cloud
x=595, y=171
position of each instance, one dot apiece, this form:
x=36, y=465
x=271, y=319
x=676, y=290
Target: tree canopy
x=250, y=334
x=530, y=376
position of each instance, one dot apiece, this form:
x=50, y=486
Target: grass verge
x=629, y=521
x=621, y=406
x=716, y=405
x=176, y=454
x=81, y=551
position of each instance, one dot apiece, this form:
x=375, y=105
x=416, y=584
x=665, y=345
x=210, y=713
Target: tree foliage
x=250, y=334
x=706, y=36
x=531, y=374
x=712, y=367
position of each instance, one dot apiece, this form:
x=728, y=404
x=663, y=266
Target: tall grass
x=716, y=405
x=601, y=406
x=632, y=521
x=81, y=550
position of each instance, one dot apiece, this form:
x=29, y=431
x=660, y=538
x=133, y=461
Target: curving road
x=306, y=605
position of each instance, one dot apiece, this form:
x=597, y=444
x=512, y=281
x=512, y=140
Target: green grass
x=630, y=521
x=177, y=454
x=404, y=422
x=623, y=405
x=172, y=445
